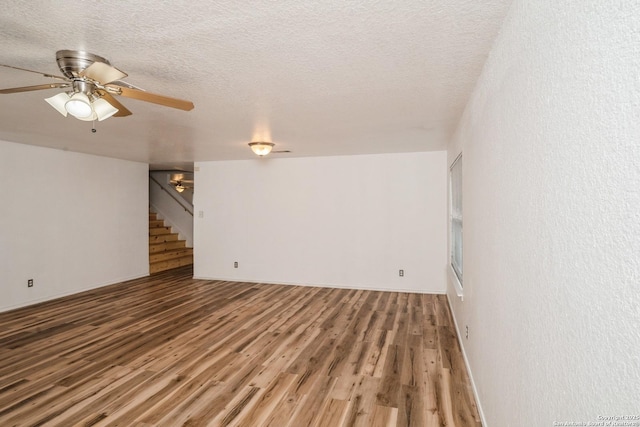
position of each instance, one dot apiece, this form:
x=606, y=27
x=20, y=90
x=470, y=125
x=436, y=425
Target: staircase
x=166, y=251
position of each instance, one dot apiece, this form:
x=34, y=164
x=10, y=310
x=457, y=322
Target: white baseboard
x=72, y=292
x=322, y=285
x=466, y=363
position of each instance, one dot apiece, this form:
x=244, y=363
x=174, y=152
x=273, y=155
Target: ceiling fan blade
x=32, y=71
x=36, y=87
x=122, y=83
x=102, y=73
x=154, y=98
x=122, y=110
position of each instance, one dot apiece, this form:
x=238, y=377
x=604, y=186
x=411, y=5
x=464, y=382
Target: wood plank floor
x=172, y=351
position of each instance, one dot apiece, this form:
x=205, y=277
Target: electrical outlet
x=235, y=264
x=401, y=272
x=30, y=283
x=466, y=334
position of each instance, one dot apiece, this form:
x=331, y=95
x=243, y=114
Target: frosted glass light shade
x=79, y=106
x=261, y=148
x=90, y=118
x=58, y=101
x=103, y=109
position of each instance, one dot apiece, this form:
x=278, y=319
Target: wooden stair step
x=159, y=230
x=156, y=267
x=165, y=246
x=155, y=223
x=166, y=249
x=170, y=254
x=163, y=238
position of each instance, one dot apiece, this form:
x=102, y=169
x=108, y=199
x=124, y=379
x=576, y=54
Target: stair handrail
x=171, y=195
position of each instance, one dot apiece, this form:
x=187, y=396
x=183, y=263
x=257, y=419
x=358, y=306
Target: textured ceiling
x=317, y=78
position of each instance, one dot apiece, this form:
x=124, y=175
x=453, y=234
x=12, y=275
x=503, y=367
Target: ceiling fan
x=92, y=83
x=181, y=182
x=182, y=185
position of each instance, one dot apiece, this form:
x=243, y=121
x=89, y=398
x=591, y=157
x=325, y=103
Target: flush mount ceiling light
x=261, y=148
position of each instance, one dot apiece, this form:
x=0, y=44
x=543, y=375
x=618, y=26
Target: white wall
x=346, y=221
x=69, y=221
x=551, y=146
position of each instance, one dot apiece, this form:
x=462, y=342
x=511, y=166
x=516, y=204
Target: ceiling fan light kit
x=261, y=148
x=94, y=81
x=181, y=182
x=58, y=102
x=103, y=110
x=79, y=106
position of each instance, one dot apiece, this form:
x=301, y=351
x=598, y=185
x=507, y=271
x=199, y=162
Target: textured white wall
x=551, y=150
x=69, y=221
x=350, y=221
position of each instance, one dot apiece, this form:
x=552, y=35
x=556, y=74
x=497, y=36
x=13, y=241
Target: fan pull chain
x=93, y=127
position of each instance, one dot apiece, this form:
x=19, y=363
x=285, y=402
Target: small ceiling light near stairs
x=179, y=187
x=261, y=148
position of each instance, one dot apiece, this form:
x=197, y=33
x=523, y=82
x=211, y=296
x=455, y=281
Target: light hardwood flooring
x=172, y=351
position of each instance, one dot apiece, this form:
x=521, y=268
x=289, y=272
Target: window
x=455, y=180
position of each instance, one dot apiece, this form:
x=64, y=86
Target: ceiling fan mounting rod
x=84, y=86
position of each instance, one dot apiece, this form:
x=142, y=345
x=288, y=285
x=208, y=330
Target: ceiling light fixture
x=81, y=106
x=179, y=187
x=261, y=148
x=58, y=101
x=103, y=109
